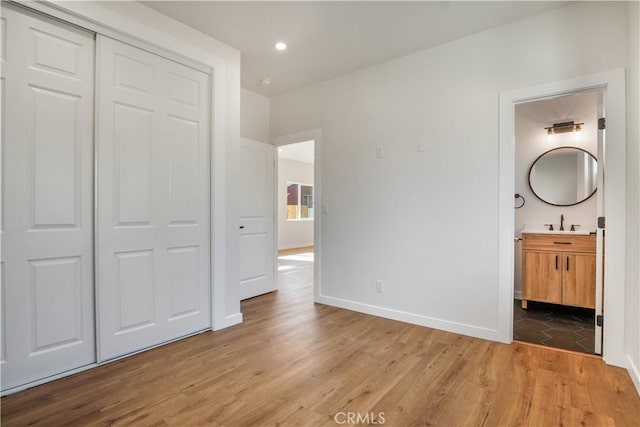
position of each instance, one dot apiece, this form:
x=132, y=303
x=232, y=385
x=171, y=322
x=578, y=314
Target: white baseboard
x=634, y=373
x=231, y=320
x=517, y=294
x=416, y=319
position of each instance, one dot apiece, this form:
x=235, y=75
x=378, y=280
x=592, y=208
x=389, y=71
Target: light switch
x=422, y=147
x=325, y=209
x=379, y=151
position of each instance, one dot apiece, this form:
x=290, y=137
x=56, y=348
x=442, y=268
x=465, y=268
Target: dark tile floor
x=568, y=328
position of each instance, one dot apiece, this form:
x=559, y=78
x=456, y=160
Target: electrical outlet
x=379, y=152
x=379, y=286
x=422, y=147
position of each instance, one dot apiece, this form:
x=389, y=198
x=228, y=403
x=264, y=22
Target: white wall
x=426, y=222
x=293, y=234
x=531, y=141
x=632, y=294
x=137, y=20
x=254, y=115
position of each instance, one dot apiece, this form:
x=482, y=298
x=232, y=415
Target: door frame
x=316, y=136
x=613, y=85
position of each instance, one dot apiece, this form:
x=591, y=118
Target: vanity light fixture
x=564, y=127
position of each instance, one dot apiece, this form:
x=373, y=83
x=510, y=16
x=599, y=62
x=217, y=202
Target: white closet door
x=47, y=198
x=153, y=199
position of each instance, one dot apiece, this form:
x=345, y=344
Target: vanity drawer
x=559, y=242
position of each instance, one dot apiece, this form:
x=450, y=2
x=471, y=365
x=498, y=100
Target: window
x=299, y=201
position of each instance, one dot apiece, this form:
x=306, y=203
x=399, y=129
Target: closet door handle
x=567, y=263
x=556, y=262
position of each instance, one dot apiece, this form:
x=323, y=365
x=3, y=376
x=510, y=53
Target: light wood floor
x=295, y=363
x=306, y=249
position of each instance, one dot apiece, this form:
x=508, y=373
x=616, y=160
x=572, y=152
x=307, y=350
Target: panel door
x=47, y=198
x=579, y=280
x=542, y=276
x=256, y=194
x=153, y=189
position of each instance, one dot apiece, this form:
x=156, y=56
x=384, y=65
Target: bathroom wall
x=422, y=216
x=531, y=141
x=297, y=233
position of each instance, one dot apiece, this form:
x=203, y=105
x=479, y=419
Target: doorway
x=296, y=208
x=612, y=84
x=556, y=177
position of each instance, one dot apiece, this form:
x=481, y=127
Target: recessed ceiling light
x=281, y=45
x=265, y=81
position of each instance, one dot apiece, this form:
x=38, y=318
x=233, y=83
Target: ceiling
x=329, y=38
x=300, y=151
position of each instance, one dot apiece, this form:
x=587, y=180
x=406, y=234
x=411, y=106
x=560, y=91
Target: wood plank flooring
x=295, y=363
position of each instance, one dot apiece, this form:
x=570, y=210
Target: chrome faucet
x=561, y=222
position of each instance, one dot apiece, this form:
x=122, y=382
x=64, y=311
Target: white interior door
x=153, y=235
x=257, y=222
x=600, y=241
x=47, y=198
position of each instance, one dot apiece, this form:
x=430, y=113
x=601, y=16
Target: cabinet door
x=542, y=276
x=579, y=280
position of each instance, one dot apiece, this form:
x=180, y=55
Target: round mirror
x=564, y=176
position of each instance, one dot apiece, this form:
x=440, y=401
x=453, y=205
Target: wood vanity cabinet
x=559, y=269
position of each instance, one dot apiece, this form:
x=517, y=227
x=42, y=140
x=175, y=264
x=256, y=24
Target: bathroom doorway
x=559, y=155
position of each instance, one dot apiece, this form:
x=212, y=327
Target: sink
x=577, y=232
